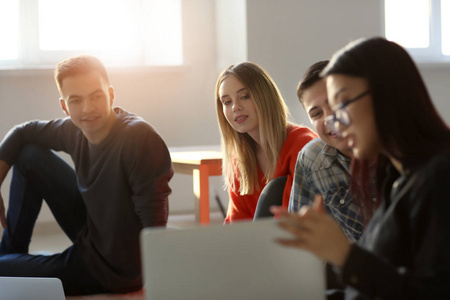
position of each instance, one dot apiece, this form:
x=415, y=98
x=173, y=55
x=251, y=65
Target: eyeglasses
x=340, y=114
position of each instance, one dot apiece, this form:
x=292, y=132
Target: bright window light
x=163, y=32
x=119, y=32
x=445, y=27
x=407, y=22
x=9, y=29
x=107, y=27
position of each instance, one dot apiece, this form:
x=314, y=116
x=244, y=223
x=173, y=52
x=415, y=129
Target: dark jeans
x=272, y=194
x=40, y=174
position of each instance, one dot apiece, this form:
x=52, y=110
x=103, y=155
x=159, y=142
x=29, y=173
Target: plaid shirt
x=323, y=169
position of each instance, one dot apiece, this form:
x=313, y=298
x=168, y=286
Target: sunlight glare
x=445, y=21
x=88, y=25
x=9, y=29
x=407, y=22
x=163, y=32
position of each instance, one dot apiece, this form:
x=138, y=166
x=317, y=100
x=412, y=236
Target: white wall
x=231, y=30
x=288, y=36
x=284, y=36
x=437, y=81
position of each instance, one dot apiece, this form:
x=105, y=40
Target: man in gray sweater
x=120, y=185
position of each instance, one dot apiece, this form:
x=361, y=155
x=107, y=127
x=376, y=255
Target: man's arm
x=149, y=173
x=55, y=134
x=50, y=134
x=4, y=169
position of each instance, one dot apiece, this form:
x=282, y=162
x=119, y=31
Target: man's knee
x=31, y=158
x=30, y=152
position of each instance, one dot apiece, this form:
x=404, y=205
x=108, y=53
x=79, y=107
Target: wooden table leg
x=201, y=191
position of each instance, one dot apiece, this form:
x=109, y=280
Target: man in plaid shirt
x=323, y=164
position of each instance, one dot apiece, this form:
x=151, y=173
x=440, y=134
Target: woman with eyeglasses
x=382, y=108
x=258, y=142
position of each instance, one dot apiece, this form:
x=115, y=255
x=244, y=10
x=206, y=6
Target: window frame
x=433, y=53
x=30, y=56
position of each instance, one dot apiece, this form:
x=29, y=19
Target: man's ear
x=111, y=94
x=63, y=106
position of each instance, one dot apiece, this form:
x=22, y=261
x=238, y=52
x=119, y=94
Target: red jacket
x=241, y=207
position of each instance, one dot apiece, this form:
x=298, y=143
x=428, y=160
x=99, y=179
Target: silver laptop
x=36, y=288
x=237, y=261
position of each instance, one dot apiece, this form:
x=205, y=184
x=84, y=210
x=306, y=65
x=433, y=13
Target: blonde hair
x=239, y=148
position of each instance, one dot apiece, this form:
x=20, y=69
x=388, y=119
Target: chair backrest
x=272, y=194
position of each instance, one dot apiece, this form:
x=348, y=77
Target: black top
x=123, y=182
x=404, y=252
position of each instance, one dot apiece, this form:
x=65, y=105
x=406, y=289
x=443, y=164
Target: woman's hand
x=314, y=230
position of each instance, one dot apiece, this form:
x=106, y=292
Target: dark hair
x=409, y=127
x=79, y=65
x=311, y=76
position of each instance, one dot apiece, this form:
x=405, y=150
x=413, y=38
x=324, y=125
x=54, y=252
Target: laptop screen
x=235, y=261
x=36, y=288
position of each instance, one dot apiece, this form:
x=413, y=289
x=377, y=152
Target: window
x=120, y=32
x=421, y=27
x=9, y=29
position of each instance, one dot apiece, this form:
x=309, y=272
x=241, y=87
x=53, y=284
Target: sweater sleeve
x=150, y=170
x=55, y=134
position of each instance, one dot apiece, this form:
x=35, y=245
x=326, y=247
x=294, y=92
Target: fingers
x=318, y=204
x=295, y=226
x=278, y=210
x=291, y=243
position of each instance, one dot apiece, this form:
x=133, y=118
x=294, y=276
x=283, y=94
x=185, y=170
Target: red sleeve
x=298, y=136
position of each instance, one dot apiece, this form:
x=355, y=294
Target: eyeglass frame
x=330, y=121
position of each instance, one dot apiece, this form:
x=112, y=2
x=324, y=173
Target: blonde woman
x=258, y=142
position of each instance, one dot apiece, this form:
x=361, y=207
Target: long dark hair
x=409, y=127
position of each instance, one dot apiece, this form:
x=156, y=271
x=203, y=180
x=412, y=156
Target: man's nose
x=87, y=106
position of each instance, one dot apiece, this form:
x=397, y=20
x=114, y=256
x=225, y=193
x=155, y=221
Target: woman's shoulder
x=297, y=133
x=431, y=177
x=296, y=130
x=437, y=166
x=428, y=192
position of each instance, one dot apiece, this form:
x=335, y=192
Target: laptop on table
x=235, y=261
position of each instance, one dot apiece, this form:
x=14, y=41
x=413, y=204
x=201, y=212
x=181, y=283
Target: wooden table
x=201, y=164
